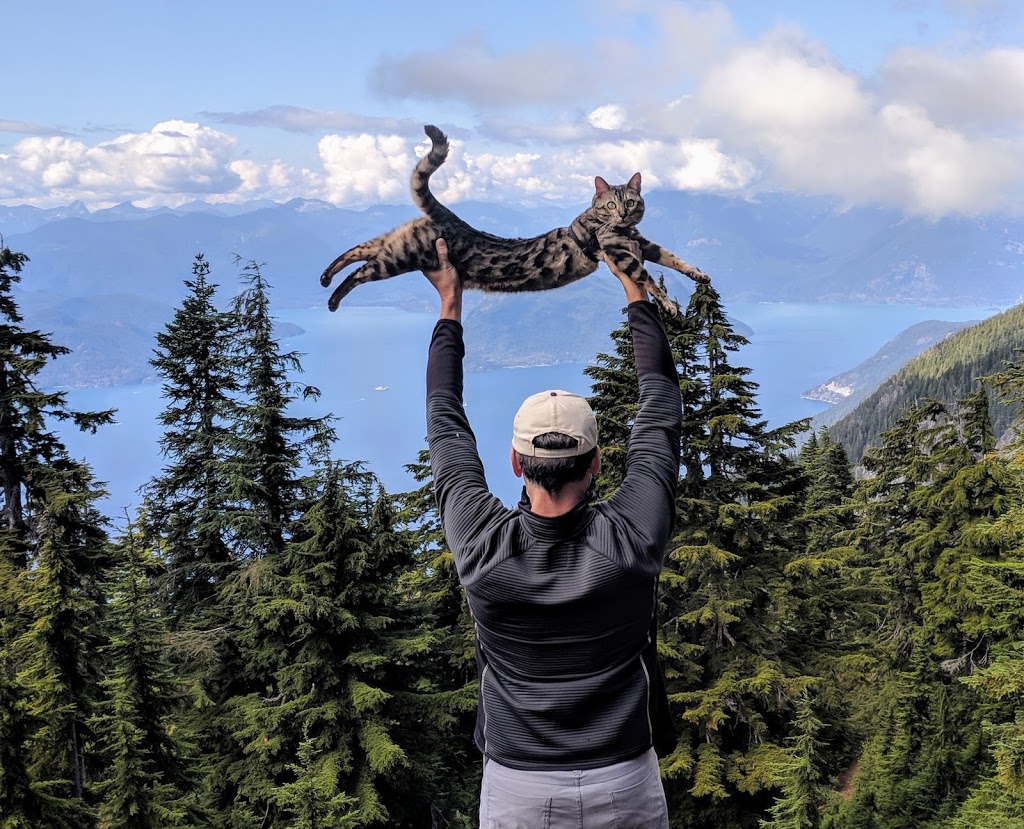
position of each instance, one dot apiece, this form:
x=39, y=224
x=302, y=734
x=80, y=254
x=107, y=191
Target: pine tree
x=445, y=662
x=21, y=806
x=51, y=558
x=268, y=445
x=997, y=584
x=27, y=446
x=187, y=502
x=56, y=653
x=145, y=780
x=925, y=521
x=330, y=636
x=728, y=605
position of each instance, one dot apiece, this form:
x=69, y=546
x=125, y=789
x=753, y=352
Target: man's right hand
x=634, y=293
x=447, y=283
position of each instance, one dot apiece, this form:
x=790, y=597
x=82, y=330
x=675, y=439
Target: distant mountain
x=775, y=248
x=848, y=389
x=945, y=372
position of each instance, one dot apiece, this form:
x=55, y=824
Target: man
x=562, y=590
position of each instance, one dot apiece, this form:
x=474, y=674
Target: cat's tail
x=421, y=194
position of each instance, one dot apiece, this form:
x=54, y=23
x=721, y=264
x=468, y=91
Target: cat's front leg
x=657, y=254
x=625, y=254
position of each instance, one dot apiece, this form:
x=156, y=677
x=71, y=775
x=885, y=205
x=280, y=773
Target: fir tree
x=56, y=652
x=51, y=556
x=145, y=780
x=330, y=636
x=187, y=502
x=728, y=605
x=27, y=446
x=269, y=444
x=445, y=662
x=925, y=521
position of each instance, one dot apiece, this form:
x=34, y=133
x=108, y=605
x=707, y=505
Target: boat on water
x=380, y=388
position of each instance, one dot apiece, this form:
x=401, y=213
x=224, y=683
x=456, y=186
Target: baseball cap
x=554, y=411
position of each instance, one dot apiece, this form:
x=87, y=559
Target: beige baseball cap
x=554, y=411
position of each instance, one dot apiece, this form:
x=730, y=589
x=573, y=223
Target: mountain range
x=104, y=281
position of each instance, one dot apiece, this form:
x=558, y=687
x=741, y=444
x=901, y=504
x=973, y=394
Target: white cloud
x=173, y=160
x=608, y=117
x=669, y=88
x=985, y=88
x=365, y=169
x=814, y=127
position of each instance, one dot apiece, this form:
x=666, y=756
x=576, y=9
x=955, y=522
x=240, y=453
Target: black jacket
x=564, y=607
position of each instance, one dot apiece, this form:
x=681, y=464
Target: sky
x=913, y=104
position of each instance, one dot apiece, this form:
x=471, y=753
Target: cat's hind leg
x=360, y=253
x=369, y=272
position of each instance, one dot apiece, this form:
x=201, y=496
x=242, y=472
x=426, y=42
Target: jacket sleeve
x=464, y=503
x=644, y=503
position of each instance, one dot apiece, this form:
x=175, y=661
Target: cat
x=494, y=263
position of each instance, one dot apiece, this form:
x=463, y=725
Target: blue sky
x=917, y=104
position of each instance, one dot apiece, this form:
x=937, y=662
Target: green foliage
x=945, y=372
x=278, y=643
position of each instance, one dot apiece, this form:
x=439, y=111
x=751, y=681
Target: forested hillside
x=275, y=641
x=944, y=372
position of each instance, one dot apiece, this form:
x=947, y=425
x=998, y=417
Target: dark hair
x=552, y=474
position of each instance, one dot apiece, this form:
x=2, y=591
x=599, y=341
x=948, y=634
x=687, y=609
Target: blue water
x=349, y=353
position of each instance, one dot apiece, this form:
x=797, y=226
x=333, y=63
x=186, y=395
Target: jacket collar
x=561, y=527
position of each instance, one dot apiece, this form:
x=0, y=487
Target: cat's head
x=620, y=204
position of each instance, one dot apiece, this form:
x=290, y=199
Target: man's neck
x=549, y=505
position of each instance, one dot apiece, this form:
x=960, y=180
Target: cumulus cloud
x=672, y=89
x=175, y=158
x=364, y=169
x=608, y=117
x=816, y=127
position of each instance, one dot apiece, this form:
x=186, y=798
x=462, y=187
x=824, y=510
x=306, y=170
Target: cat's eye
x=610, y=205
x=630, y=202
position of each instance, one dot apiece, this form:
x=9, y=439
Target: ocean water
x=349, y=354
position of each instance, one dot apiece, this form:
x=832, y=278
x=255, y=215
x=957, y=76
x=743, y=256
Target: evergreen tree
x=728, y=606
x=51, y=556
x=445, y=663
x=330, y=634
x=997, y=584
x=145, y=781
x=925, y=520
x=20, y=805
x=56, y=653
x=27, y=446
x=269, y=444
x=187, y=502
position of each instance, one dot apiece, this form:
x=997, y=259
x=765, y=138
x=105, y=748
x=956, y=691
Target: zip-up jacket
x=564, y=607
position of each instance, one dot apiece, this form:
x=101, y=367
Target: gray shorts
x=626, y=795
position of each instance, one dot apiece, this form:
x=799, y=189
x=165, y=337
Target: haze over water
x=350, y=353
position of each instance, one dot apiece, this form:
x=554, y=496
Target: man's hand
x=634, y=293
x=447, y=283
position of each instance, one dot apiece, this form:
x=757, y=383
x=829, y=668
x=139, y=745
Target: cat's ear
x=601, y=185
x=634, y=183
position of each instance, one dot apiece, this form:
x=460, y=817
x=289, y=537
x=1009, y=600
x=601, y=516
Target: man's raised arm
x=463, y=500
